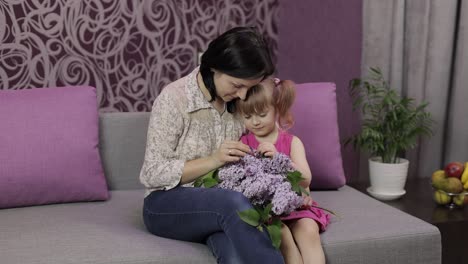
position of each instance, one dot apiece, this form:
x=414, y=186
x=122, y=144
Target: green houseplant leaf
x=391, y=124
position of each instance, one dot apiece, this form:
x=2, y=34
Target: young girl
x=266, y=115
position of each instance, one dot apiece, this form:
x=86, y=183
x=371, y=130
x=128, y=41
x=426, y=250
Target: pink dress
x=283, y=145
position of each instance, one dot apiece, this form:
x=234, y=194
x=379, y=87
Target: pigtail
x=284, y=94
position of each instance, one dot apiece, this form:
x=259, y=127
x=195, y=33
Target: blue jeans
x=209, y=215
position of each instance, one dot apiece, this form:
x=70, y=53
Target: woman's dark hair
x=240, y=52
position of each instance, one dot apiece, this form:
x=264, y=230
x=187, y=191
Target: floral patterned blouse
x=183, y=126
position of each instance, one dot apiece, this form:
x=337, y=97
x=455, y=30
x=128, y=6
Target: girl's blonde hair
x=270, y=92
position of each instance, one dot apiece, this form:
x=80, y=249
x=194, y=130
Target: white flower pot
x=387, y=179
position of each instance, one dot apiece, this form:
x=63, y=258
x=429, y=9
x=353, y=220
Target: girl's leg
x=288, y=247
x=194, y=214
x=222, y=248
x=306, y=234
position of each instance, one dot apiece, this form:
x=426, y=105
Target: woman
x=192, y=131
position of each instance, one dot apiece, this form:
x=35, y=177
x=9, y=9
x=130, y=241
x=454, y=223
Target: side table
x=452, y=223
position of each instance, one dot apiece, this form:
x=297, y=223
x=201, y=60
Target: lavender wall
x=321, y=41
x=128, y=49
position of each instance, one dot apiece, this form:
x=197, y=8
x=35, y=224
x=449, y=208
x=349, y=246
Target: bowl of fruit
x=451, y=185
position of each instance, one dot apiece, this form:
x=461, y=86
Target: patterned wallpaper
x=128, y=49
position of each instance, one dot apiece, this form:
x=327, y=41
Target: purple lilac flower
x=231, y=185
x=258, y=186
x=276, y=178
x=252, y=169
x=285, y=200
x=262, y=180
x=245, y=184
x=252, y=159
x=232, y=172
x=279, y=164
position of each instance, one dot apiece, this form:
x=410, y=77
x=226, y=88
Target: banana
x=464, y=177
x=465, y=186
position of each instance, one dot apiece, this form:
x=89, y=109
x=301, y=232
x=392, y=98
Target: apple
x=454, y=169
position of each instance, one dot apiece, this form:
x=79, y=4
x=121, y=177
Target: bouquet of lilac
x=271, y=184
x=263, y=181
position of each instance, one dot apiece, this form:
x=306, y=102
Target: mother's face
x=229, y=88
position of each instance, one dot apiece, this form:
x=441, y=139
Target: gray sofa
x=113, y=232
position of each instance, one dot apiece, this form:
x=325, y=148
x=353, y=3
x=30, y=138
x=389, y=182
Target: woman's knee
x=149, y=221
x=235, y=201
x=222, y=248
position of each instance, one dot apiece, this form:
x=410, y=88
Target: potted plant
x=391, y=125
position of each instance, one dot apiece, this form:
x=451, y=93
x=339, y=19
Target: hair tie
x=276, y=81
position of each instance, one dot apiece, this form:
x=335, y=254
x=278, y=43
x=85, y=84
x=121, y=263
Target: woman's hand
x=267, y=149
x=230, y=151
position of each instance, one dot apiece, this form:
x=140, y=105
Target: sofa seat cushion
x=368, y=231
x=97, y=232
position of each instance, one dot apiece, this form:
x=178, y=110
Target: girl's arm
x=298, y=156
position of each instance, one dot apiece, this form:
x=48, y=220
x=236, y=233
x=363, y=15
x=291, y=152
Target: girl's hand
x=294, y=165
x=307, y=200
x=230, y=151
x=267, y=149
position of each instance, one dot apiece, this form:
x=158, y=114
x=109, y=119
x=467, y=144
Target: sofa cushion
x=49, y=147
x=369, y=231
x=316, y=124
x=123, y=138
x=113, y=232
x=99, y=232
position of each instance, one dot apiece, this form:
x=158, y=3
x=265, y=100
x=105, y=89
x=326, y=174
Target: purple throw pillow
x=316, y=124
x=49, y=147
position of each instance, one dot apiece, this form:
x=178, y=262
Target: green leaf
x=391, y=124
x=198, y=182
x=250, y=216
x=274, y=231
x=303, y=190
x=209, y=174
x=295, y=177
x=264, y=212
x=209, y=182
x=296, y=188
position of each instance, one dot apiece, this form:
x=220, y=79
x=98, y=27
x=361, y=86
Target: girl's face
x=261, y=124
x=229, y=88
